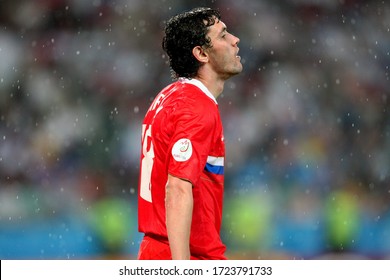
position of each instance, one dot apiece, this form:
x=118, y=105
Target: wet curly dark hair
x=183, y=32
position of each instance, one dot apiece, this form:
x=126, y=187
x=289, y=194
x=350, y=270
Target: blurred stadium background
x=307, y=126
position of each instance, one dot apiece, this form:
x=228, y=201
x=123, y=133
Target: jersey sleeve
x=194, y=125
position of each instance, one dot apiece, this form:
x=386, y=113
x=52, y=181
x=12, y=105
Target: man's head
x=184, y=32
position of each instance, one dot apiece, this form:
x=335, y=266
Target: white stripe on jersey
x=215, y=161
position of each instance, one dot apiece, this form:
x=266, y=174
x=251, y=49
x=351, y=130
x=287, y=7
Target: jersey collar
x=200, y=85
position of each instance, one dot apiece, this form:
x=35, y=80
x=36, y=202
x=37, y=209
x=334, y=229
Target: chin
x=239, y=69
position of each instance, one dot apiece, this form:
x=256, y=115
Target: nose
x=236, y=40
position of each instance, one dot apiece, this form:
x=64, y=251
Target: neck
x=214, y=84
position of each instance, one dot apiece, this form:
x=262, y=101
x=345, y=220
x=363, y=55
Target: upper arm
x=178, y=184
x=191, y=142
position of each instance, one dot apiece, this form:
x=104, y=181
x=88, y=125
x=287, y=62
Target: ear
x=200, y=54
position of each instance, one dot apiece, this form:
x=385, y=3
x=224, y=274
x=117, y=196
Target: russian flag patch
x=214, y=165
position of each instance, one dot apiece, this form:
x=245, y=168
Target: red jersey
x=182, y=135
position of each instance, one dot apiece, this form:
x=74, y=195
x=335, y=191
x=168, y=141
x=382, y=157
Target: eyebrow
x=224, y=29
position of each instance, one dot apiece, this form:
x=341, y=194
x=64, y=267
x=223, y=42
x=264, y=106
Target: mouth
x=237, y=56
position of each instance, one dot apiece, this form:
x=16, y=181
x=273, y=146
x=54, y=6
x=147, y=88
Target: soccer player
x=182, y=159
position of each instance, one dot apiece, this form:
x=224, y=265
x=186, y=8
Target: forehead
x=218, y=27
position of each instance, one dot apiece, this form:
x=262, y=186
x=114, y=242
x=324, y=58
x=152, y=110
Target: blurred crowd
x=307, y=126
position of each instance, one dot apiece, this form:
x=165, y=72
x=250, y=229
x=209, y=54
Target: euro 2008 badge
x=182, y=150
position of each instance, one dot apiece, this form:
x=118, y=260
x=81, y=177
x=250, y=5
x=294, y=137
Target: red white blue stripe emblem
x=214, y=165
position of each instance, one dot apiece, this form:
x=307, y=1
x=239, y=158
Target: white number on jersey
x=146, y=163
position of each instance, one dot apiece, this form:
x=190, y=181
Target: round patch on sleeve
x=182, y=150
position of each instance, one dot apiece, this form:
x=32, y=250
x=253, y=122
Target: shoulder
x=185, y=100
x=197, y=98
